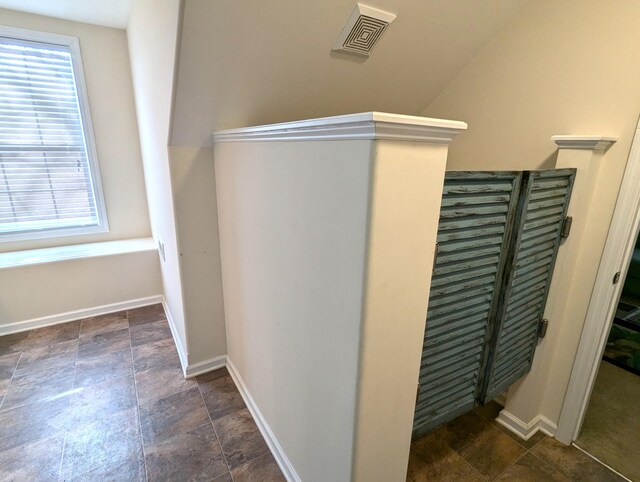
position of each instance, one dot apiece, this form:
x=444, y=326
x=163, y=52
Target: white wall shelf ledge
x=78, y=251
x=592, y=143
x=366, y=126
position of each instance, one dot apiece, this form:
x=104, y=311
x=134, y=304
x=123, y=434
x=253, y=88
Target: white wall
x=51, y=289
x=293, y=236
x=108, y=78
x=153, y=35
x=194, y=193
x=406, y=190
x=566, y=67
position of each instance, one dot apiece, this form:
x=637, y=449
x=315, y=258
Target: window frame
x=73, y=44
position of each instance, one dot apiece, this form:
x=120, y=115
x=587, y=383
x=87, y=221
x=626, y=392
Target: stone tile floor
x=474, y=448
x=104, y=398
x=611, y=429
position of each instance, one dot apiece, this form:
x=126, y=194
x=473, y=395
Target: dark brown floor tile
x=4, y=385
x=261, y=469
x=99, y=368
x=129, y=469
x=156, y=384
x=481, y=444
x=150, y=332
x=94, y=402
x=223, y=478
x=32, y=462
x=527, y=444
x=8, y=364
x=155, y=355
x=48, y=357
x=572, y=463
x=194, y=455
x=13, y=343
x=221, y=396
x=104, y=323
x=51, y=335
x=104, y=343
x=175, y=414
x=489, y=411
x=431, y=459
x=104, y=442
x=240, y=438
x=146, y=314
x=213, y=375
x=531, y=469
x=36, y=386
x=30, y=423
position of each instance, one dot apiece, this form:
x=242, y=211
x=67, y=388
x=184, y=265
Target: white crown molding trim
x=276, y=449
x=526, y=430
x=45, y=321
x=177, y=341
x=205, y=366
x=367, y=126
x=592, y=143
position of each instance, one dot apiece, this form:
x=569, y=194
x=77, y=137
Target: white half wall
x=293, y=228
x=327, y=236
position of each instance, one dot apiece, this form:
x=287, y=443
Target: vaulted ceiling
x=252, y=62
x=108, y=13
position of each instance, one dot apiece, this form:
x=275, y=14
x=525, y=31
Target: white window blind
x=46, y=179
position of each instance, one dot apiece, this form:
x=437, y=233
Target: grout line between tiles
x=224, y=457
x=601, y=462
x=10, y=380
x=135, y=386
x=73, y=386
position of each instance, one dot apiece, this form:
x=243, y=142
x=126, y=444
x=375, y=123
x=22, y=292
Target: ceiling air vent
x=363, y=29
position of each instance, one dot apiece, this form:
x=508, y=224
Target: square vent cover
x=363, y=30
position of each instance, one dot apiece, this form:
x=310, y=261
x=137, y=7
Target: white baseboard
x=278, y=453
x=526, y=430
x=19, y=326
x=177, y=341
x=205, y=366
x=190, y=369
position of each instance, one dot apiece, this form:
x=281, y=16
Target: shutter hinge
x=566, y=227
x=435, y=259
x=616, y=278
x=542, y=328
x=418, y=394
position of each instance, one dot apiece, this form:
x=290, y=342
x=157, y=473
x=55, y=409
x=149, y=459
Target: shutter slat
x=476, y=208
x=546, y=201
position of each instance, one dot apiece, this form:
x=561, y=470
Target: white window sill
x=79, y=251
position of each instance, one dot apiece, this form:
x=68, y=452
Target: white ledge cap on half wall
x=592, y=143
x=367, y=126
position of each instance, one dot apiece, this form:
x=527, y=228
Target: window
x=49, y=178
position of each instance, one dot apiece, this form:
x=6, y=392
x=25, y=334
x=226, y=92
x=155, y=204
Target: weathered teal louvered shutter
x=537, y=235
x=476, y=215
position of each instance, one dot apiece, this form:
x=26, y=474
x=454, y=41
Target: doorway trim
x=616, y=256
